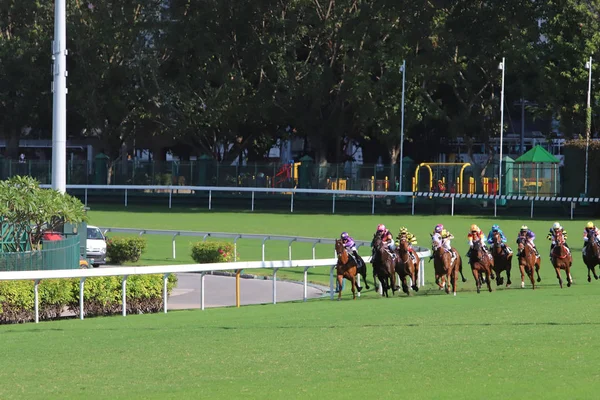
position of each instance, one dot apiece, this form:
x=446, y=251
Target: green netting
x=60, y=254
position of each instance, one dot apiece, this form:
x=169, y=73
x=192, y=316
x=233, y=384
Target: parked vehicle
x=95, y=246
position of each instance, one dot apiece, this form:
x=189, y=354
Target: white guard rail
x=166, y=270
x=236, y=236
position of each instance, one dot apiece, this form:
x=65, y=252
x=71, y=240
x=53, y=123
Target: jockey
x=590, y=228
x=412, y=240
x=556, y=227
x=387, y=238
x=527, y=237
x=476, y=234
x=442, y=238
x=351, y=247
x=490, y=238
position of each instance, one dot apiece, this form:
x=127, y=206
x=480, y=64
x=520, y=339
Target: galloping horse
x=383, y=266
x=502, y=261
x=561, y=259
x=405, y=266
x=592, y=255
x=446, y=270
x=528, y=262
x=481, y=264
x=346, y=268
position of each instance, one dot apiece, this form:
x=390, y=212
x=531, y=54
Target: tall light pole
x=501, y=67
x=588, y=121
x=403, y=70
x=59, y=90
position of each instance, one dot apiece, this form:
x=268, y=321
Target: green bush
x=212, y=252
x=102, y=296
x=123, y=249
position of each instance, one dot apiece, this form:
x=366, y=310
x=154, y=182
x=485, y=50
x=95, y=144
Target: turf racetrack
x=509, y=344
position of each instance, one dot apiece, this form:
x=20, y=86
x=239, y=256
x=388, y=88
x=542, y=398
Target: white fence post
x=333, y=205
x=202, y=290
x=124, y=295
x=170, y=197
x=305, y=296
x=235, y=247
x=331, y=290
x=36, y=300
x=292, y=203
x=290, y=248
x=252, y=201
x=210, y=199
x=81, y=287
x=275, y=285
x=263, y=247
x=174, y=236
x=165, y=280
x=125, y=197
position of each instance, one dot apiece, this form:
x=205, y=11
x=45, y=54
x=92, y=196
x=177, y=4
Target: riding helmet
x=589, y=225
x=344, y=235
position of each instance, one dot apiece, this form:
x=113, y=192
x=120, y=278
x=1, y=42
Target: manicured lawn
x=510, y=344
x=329, y=226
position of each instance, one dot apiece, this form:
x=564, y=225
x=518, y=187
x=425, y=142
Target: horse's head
x=478, y=250
x=560, y=239
x=341, y=252
x=403, y=243
x=497, y=239
x=521, y=245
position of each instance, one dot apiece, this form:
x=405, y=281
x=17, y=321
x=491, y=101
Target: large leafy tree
x=25, y=97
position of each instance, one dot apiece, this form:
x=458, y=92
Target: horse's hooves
x=589, y=278
x=367, y=287
x=454, y=293
x=539, y=280
x=464, y=279
x=522, y=285
x=359, y=288
x=415, y=288
x=478, y=290
x=568, y=284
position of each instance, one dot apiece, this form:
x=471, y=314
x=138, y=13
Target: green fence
x=60, y=254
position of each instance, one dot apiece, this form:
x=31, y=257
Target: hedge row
x=213, y=252
x=122, y=249
x=102, y=296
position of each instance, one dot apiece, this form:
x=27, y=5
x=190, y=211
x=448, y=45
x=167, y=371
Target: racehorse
x=561, y=259
x=405, y=266
x=592, y=255
x=481, y=264
x=446, y=270
x=502, y=261
x=528, y=262
x=383, y=266
x=346, y=267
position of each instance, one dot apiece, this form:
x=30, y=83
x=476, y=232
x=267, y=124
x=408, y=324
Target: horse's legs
x=522, y=270
x=530, y=273
x=489, y=281
x=558, y=276
x=363, y=273
x=569, y=278
x=415, y=278
x=477, y=280
x=448, y=281
x=508, y=281
x=453, y=276
x=340, y=279
x=354, y=288
x=589, y=272
x=537, y=269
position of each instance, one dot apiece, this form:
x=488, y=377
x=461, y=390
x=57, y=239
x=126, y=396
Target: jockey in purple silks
x=351, y=247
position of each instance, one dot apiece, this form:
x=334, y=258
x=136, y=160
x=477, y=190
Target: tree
x=25, y=98
x=27, y=209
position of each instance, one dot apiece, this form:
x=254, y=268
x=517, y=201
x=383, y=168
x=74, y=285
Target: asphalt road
x=220, y=291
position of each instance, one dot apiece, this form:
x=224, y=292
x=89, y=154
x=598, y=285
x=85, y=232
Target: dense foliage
x=223, y=78
x=26, y=210
x=124, y=249
x=102, y=296
x=213, y=252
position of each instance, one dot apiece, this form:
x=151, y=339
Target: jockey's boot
x=411, y=253
x=432, y=253
x=584, y=248
x=568, y=248
x=469, y=253
x=537, y=253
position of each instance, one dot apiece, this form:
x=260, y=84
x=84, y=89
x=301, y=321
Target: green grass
x=312, y=225
x=510, y=344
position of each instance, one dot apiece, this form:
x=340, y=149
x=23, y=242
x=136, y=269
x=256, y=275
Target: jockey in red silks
x=387, y=238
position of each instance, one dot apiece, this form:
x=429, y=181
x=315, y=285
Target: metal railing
x=335, y=194
x=166, y=270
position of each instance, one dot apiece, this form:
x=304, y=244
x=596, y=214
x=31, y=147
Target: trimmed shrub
x=102, y=296
x=124, y=249
x=212, y=252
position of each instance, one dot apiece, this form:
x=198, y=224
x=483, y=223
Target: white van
x=95, y=246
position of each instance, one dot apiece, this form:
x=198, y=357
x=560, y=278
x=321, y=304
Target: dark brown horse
x=528, y=263
x=591, y=257
x=446, y=270
x=481, y=265
x=383, y=266
x=561, y=259
x=405, y=266
x=502, y=261
x=346, y=268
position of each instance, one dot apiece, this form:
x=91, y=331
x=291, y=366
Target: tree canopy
x=225, y=78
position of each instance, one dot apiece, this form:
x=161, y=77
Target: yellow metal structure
x=429, y=165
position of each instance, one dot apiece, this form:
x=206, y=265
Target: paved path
x=220, y=291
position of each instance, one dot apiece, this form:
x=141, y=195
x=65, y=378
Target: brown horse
x=528, y=263
x=405, y=266
x=446, y=270
x=383, y=266
x=502, y=261
x=481, y=264
x=346, y=268
x=591, y=257
x=561, y=259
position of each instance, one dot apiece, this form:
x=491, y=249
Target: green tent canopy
x=537, y=155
